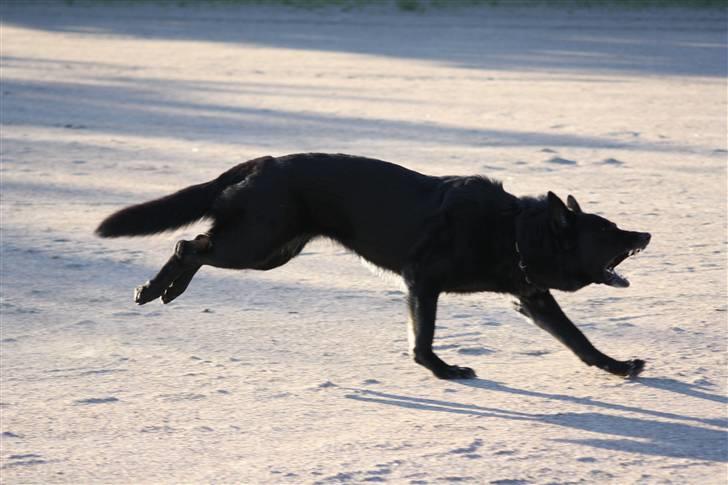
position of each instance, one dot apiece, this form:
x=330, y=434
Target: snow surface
x=301, y=375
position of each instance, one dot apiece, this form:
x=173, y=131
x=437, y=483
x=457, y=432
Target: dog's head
x=579, y=248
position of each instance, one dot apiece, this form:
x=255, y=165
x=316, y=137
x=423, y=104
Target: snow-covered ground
x=300, y=375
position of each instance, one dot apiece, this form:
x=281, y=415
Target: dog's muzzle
x=611, y=277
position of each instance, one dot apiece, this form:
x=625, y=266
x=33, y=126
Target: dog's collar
x=522, y=265
x=519, y=253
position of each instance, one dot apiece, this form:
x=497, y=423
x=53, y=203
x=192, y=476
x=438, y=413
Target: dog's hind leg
x=260, y=242
x=546, y=313
x=174, y=277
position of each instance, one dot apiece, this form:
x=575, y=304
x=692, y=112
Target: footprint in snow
x=157, y=429
x=96, y=400
x=125, y=314
x=28, y=459
x=101, y=372
x=475, y=351
x=24, y=457
x=703, y=382
x=632, y=134
x=505, y=452
x=182, y=396
x=561, y=161
x=536, y=353
x=445, y=347
x=85, y=323
x=471, y=448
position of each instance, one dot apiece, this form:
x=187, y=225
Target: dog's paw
x=635, y=367
x=172, y=292
x=144, y=294
x=169, y=295
x=455, y=372
x=629, y=368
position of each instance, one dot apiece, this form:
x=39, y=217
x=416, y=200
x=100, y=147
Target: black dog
x=441, y=234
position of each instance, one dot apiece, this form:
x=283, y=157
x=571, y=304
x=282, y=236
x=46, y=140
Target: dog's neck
x=530, y=218
x=522, y=265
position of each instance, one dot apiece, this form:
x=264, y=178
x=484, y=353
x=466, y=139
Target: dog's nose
x=645, y=238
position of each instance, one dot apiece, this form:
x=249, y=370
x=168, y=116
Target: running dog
x=441, y=234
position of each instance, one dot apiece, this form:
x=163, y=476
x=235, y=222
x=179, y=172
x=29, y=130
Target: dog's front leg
x=546, y=313
x=422, y=304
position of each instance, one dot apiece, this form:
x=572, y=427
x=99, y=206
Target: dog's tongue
x=612, y=278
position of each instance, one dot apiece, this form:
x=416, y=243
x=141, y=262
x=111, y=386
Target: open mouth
x=611, y=277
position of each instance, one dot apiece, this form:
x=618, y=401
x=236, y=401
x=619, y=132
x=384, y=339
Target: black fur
x=172, y=211
x=441, y=234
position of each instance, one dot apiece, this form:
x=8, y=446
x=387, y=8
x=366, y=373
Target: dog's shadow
x=641, y=435
x=665, y=384
x=673, y=385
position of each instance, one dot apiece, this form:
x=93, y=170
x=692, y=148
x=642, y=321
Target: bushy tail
x=172, y=211
x=169, y=212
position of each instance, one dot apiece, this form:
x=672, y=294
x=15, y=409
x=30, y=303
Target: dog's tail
x=172, y=211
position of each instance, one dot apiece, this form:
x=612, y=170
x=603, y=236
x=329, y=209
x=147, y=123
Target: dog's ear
x=558, y=213
x=572, y=204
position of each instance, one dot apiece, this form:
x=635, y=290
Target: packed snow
x=301, y=374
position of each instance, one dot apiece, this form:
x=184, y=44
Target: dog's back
x=360, y=202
